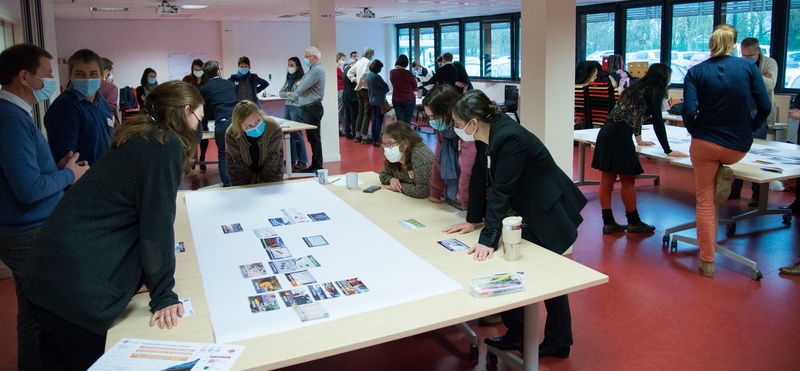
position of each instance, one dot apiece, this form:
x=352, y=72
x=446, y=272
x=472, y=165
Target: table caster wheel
x=665, y=240
x=756, y=275
x=673, y=246
x=491, y=359
x=656, y=181
x=787, y=219
x=473, y=351
x=731, y=229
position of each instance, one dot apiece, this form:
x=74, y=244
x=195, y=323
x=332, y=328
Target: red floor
x=656, y=313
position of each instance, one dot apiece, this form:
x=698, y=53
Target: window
x=416, y=43
x=427, y=49
x=449, y=41
x=472, y=48
x=792, y=75
x=497, y=49
x=751, y=18
x=599, y=36
x=692, y=25
x=643, y=35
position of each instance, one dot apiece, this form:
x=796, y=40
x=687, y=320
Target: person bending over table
x=615, y=155
x=716, y=112
x=255, y=146
x=525, y=181
x=112, y=231
x=407, y=161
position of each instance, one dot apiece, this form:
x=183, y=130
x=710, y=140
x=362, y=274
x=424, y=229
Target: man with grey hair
x=220, y=99
x=751, y=50
x=355, y=75
x=310, y=90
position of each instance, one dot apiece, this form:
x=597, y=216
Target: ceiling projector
x=166, y=8
x=366, y=13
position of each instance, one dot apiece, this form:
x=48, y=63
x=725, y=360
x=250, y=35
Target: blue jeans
x=377, y=123
x=14, y=252
x=220, y=126
x=298, y=143
x=404, y=110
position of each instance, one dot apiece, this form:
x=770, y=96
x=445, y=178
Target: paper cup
x=352, y=180
x=322, y=176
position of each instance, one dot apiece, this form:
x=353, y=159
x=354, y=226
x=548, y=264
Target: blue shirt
x=717, y=96
x=30, y=183
x=75, y=124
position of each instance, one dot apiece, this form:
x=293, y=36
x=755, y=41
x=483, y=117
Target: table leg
x=287, y=154
x=530, y=352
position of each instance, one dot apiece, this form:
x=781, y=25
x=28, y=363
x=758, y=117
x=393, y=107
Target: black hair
x=146, y=72
x=656, y=78
x=244, y=60
x=402, y=61
x=474, y=104
x=440, y=100
x=376, y=66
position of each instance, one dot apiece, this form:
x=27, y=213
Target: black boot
x=609, y=224
x=635, y=225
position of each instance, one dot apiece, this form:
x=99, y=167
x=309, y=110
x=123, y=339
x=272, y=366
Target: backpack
x=676, y=109
x=127, y=99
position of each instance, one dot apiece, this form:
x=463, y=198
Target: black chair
x=511, y=101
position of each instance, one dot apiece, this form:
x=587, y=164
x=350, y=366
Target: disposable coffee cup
x=512, y=237
x=322, y=176
x=352, y=180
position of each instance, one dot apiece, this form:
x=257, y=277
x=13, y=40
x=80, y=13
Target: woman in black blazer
x=525, y=181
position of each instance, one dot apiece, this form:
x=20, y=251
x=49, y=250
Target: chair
x=638, y=69
x=511, y=101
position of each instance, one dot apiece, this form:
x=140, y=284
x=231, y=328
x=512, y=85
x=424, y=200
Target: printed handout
x=252, y=270
x=279, y=253
x=453, y=244
x=263, y=303
x=411, y=223
x=295, y=297
x=311, y=311
x=272, y=242
x=262, y=285
x=352, y=286
x=319, y=217
x=315, y=241
x=265, y=232
x=300, y=278
x=232, y=228
x=323, y=291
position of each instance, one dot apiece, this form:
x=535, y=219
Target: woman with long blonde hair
x=255, y=146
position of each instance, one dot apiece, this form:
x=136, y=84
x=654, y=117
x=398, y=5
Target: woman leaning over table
x=407, y=161
x=113, y=231
x=718, y=94
x=255, y=146
x=615, y=155
x=524, y=181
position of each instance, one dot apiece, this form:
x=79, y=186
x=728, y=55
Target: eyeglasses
x=390, y=145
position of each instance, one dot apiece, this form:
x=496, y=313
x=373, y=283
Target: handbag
x=385, y=107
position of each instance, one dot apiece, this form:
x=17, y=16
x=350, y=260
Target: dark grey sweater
x=111, y=229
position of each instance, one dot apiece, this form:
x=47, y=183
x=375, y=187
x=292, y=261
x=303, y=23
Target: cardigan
x=417, y=182
x=525, y=181
x=111, y=230
x=238, y=158
x=377, y=88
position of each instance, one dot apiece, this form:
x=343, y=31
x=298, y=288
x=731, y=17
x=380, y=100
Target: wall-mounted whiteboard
x=180, y=64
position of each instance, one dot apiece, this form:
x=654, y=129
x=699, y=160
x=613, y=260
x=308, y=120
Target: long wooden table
x=547, y=275
x=287, y=127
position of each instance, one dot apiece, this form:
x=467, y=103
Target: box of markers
x=496, y=284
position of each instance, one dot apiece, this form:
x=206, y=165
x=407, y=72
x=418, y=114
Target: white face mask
x=393, y=154
x=462, y=133
x=291, y=70
x=198, y=73
x=110, y=77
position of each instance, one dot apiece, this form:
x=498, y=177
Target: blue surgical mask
x=151, y=80
x=256, y=131
x=47, y=90
x=437, y=124
x=306, y=62
x=243, y=71
x=86, y=87
x=753, y=58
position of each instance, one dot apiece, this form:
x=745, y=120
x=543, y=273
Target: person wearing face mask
x=350, y=102
x=149, y=82
x=219, y=96
x=408, y=161
x=454, y=158
x=31, y=183
x=404, y=98
x=310, y=91
x=79, y=120
x=109, y=91
x=524, y=181
x=197, y=79
x=377, y=96
x=248, y=84
x=357, y=75
x=254, y=143
x=423, y=75
x=751, y=50
x=294, y=72
x=112, y=231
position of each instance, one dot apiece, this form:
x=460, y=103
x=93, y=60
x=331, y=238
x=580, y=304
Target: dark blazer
x=349, y=91
x=447, y=74
x=220, y=98
x=524, y=178
x=258, y=84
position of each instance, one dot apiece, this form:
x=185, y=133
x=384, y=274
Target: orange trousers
x=707, y=157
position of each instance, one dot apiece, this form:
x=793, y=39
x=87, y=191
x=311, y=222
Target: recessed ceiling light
x=96, y=9
x=194, y=6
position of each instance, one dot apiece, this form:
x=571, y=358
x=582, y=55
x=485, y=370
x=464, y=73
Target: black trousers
x=14, y=252
x=64, y=345
x=312, y=115
x=557, y=327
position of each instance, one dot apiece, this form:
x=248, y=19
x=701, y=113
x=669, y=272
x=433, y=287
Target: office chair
x=511, y=101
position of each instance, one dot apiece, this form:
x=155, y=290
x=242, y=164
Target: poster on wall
x=180, y=64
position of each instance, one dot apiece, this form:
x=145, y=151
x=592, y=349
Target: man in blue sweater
x=79, y=120
x=220, y=97
x=31, y=183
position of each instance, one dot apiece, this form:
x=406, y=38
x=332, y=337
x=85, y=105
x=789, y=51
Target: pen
x=335, y=180
x=771, y=170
